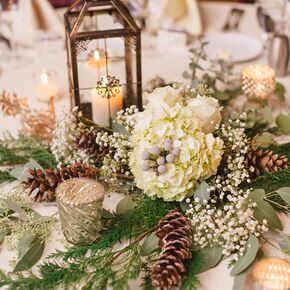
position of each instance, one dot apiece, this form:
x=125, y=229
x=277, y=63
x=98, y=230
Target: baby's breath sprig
x=227, y=218
x=127, y=118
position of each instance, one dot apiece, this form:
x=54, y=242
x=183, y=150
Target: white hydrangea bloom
x=168, y=116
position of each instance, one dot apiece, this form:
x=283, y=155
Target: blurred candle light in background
x=269, y=274
x=45, y=83
x=258, y=81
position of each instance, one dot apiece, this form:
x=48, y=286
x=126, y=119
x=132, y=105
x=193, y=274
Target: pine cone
x=47, y=181
x=175, y=239
x=87, y=143
x=259, y=161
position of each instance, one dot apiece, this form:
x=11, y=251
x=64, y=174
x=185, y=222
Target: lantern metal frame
x=77, y=41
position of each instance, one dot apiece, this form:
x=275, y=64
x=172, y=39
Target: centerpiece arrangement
x=204, y=179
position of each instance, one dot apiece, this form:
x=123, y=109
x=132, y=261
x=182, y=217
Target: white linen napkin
x=183, y=15
x=31, y=17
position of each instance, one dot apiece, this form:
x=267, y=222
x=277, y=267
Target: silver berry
x=170, y=158
x=145, y=155
x=161, y=169
x=160, y=160
x=167, y=144
x=145, y=166
x=155, y=150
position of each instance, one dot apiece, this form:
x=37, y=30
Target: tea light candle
x=97, y=58
x=101, y=114
x=269, y=274
x=79, y=202
x=45, y=85
x=258, y=81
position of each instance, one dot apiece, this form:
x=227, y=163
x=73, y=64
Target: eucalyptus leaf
x=2, y=236
x=107, y=214
x=283, y=123
x=31, y=257
x=267, y=115
x=222, y=96
x=15, y=208
x=20, y=173
x=252, y=248
x=149, y=245
x=257, y=194
x=34, y=164
x=284, y=243
x=264, y=210
x=211, y=257
x=24, y=244
x=284, y=192
x=202, y=192
x=280, y=91
x=119, y=128
x=125, y=205
x=239, y=281
x=184, y=205
x=263, y=140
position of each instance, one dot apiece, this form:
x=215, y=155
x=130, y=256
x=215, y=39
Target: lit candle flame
x=44, y=78
x=97, y=56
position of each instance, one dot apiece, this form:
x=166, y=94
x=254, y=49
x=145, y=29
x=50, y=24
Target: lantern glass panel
x=103, y=45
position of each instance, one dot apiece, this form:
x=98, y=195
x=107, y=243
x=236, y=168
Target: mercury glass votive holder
x=80, y=202
x=269, y=274
x=258, y=81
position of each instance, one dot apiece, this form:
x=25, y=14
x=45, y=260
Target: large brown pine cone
x=175, y=239
x=260, y=160
x=87, y=142
x=41, y=185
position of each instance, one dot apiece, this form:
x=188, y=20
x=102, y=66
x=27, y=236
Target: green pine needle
x=191, y=281
x=271, y=181
x=94, y=266
x=5, y=176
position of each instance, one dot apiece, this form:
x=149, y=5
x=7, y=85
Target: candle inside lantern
x=45, y=85
x=101, y=113
x=269, y=274
x=97, y=58
x=258, y=81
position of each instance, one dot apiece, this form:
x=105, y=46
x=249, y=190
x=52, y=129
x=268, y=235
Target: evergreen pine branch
x=271, y=181
x=19, y=151
x=191, y=281
x=283, y=149
x=5, y=176
x=145, y=216
x=96, y=266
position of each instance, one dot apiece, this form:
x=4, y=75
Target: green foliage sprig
x=5, y=176
x=14, y=151
x=97, y=263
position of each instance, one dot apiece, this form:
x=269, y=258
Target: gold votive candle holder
x=80, y=202
x=269, y=274
x=258, y=81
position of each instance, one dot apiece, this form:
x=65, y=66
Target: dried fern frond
x=11, y=105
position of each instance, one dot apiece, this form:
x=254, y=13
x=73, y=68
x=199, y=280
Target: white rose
x=207, y=110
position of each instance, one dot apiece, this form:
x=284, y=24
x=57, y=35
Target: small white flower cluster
x=228, y=226
x=63, y=145
x=227, y=218
x=117, y=160
x=127, y=118
x=236, y=148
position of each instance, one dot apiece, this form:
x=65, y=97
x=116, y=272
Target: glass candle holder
x=45, y=84
x=80, y=201
x=258, y=81
x=269, y=274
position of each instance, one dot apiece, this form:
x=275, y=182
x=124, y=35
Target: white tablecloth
x=170, y=64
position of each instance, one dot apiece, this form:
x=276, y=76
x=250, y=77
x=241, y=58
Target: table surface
x=169, y=64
